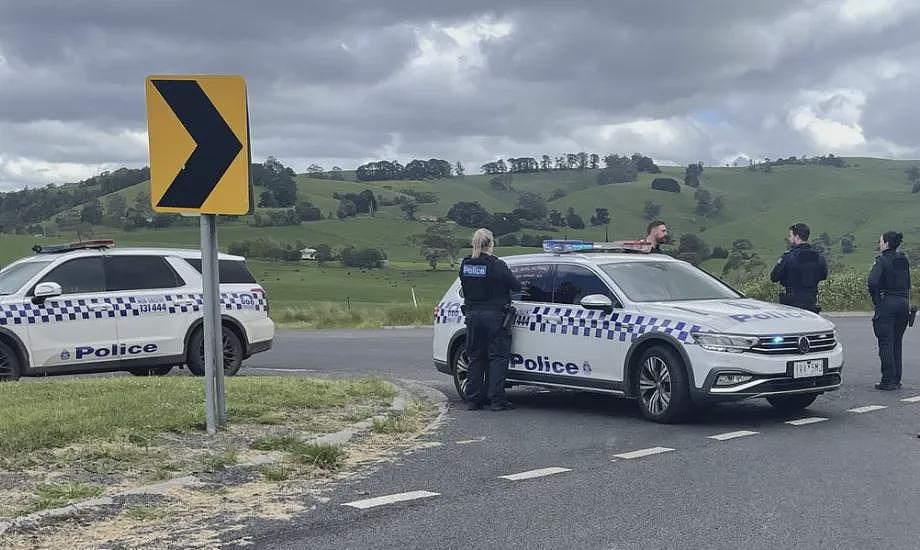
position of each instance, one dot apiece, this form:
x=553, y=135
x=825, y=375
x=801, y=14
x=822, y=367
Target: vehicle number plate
x=807, y=369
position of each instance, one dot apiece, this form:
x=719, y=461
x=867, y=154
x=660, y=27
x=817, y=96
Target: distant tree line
x=384, y=170
x=767, y=164
x=316, y=171
x=269, y=249
x=617, y=169
x=27, y=207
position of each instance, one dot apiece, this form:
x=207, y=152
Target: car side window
x=140, y=273
x=79, y=276
x=536, y=282
x=574, y=282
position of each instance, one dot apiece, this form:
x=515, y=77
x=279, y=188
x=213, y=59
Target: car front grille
x=788, y=344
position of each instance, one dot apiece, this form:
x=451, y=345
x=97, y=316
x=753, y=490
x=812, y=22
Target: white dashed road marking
x=390, y=499
x=912, y=399
x=468, y=441
x=643, y=452
x=804, y=421
x=535, y=473
x=732, y=435
x=867, y=408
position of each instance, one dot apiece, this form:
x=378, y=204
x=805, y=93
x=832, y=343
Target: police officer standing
x=487, y=284
x=800, y=270
x=889, y=287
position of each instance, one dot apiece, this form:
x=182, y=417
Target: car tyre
x=10, y=368
x=460, y=366
x=152, y=371
x=792, y=403
x=233, y=353
x=662, y=386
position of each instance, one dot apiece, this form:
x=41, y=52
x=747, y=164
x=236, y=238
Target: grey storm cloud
x=346, y=81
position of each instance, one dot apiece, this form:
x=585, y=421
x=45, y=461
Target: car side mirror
x=43, y=291
x=597, y=301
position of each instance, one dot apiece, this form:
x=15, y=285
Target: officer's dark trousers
x=889, y=330
x=489, y=350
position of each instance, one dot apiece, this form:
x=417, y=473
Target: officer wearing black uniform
x=800, y=270
x=889, y=287
x=487, y=284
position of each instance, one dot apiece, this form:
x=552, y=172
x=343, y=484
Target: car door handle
x=100, y=307
x=186, y=302
x=552, y=319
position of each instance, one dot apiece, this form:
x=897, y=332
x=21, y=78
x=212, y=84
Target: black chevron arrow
x=216, y=144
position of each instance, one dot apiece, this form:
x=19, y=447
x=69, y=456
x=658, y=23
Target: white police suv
x=600, y=317
x=89, y=307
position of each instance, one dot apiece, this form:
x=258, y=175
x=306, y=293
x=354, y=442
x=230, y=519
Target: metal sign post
x=198, y=127
x=215, y=408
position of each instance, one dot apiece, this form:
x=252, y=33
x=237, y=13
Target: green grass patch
x=55, y=495
x=326, y=457
x=148, y=513
x=328, y=315
x=405, y=421
x=221, y=461
x=275, y=473
x=56, y=413
x=275, y=443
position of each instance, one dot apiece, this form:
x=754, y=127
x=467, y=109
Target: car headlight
x=725, y=342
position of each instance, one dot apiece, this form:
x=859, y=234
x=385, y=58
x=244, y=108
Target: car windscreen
x=231, y=271
x=13, y=277
x=666, y=282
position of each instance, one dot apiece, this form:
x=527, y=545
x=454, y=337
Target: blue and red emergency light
x=558, y=246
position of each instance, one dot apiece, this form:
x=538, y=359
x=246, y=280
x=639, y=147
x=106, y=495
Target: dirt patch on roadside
x=226, y=505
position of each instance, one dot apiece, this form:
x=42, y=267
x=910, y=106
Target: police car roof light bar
x=575, y=246
x=97, y=244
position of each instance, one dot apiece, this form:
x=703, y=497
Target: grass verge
x=331, y=315
x=325, y=457
x=405, y=421
x=57, y=413
x=55, y=495
x=148, y=513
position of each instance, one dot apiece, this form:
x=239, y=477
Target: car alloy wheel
x=655, y=386
x=461, y=371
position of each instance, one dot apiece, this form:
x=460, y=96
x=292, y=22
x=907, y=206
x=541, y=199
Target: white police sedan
x=614, y=319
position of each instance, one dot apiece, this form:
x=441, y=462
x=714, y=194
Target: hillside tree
x=115, y=207
x=409, y=209
x=573, y=220
x=531, y=206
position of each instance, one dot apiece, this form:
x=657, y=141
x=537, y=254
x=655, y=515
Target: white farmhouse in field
x=308, y=254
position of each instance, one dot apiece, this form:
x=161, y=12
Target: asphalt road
x=851, y=480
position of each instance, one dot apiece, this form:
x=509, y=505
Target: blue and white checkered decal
x=58, y=311
x=568, y=321
x=596, y=324
x=448, y=312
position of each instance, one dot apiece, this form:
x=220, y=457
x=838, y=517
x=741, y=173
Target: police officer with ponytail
x=889, y=287
x=487, y=284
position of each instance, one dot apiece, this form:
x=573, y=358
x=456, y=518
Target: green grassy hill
x=868, y=197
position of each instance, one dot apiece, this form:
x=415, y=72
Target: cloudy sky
x=340, y=82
